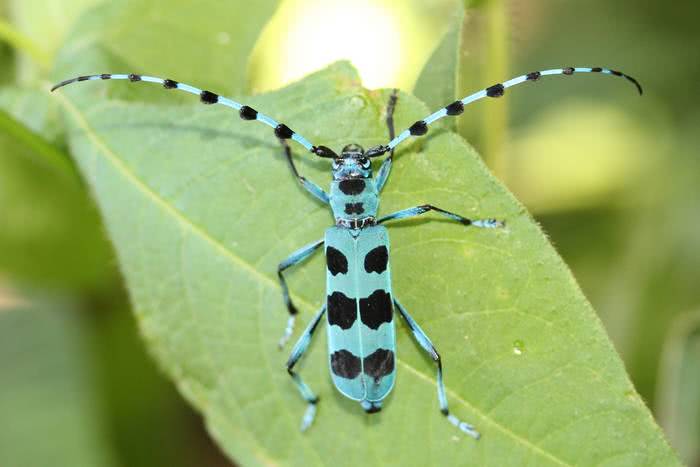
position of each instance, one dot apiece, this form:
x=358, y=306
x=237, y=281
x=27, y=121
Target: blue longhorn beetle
x=362, y=351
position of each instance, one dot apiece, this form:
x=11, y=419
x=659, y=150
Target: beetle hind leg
x=299, y=349
x=424, y=342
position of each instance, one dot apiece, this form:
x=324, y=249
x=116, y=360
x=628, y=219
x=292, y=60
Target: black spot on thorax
x=352, y=186
x=354, y=208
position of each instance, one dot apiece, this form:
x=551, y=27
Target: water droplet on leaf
x=518, y=347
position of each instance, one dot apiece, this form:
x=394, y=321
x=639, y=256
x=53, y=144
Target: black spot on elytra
x=336, y=261
x=354, y=208
x=208, y=97
x=377, y=259
x=352, y=186
x=496, y=90
x=169, y=84
x=419, y=128
x=248, y=113
x=133, y=77
x=378, y=364
x=342, y=310
x=376, y=309
x=455, y=108
x=345, y=364
x=534, y=76
x=282, y=131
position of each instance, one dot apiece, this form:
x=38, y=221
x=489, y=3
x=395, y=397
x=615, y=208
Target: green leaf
x=437, y=83
x=679, y=392
x=50, y=231
x=201, y=208
x=50, y=412
x=206, y=42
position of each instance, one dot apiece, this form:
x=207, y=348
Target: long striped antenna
x=497, y=90
x=282, y=131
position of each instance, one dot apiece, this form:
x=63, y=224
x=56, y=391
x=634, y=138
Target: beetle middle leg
x=295, y=258
x=423, y=208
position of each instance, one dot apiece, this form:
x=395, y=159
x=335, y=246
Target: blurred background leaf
x=148, y=422
x=206, y=42
x=679, y=391
x=49, y=228
x=437, y=84
x=48, y=396
x=43, y=25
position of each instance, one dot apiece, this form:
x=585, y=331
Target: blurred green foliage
x=679, y=398
x=49, y=396
x=612, y=178
x=47, y=216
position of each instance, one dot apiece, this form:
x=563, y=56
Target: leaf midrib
x=270, y=282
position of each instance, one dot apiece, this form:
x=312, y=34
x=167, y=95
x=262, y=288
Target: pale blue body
x=354, y=199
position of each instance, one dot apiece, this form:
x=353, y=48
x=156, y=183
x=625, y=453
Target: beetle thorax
x=353, y=196
x=351, y=163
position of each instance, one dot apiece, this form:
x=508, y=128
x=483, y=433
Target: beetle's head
x=352, y=163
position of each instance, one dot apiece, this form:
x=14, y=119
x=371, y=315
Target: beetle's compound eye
x=364, y=162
